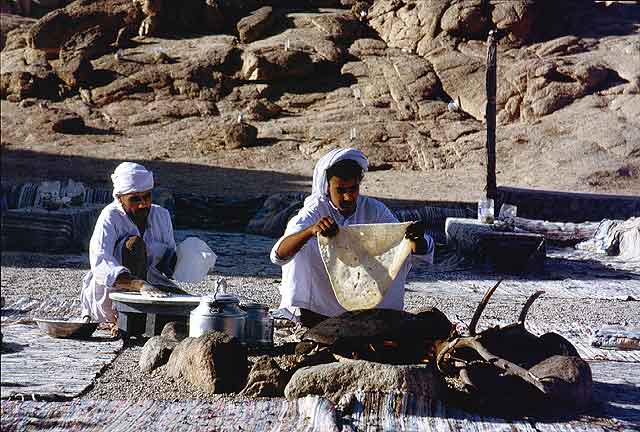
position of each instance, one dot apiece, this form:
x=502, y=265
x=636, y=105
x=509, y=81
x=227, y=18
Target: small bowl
x=60, y=328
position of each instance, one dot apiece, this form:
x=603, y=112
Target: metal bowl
x=60, y=328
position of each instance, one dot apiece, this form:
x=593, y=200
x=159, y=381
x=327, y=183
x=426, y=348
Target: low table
x=484, y=245
x=140, y=315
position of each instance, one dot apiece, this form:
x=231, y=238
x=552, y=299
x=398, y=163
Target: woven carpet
x=307, y=414
x=36, y=366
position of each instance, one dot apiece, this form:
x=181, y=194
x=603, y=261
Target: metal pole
x=490, y=116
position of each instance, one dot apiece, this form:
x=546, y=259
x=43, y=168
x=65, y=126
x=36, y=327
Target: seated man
x=131, y=241
x=335, y=201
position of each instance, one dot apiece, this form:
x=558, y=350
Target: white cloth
x=319, y=187
x=112, y=228
x=131, y=177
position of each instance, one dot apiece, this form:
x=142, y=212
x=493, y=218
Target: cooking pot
x=259, y=325
x=220, y=313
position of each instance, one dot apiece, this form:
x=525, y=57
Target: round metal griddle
x=174, y=299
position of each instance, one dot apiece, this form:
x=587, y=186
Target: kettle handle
x=220, y=283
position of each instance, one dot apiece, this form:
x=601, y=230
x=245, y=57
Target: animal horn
x=480, y=308
x=527, y=305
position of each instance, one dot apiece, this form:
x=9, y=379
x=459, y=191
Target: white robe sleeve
x=305, y=218
x=104, y=265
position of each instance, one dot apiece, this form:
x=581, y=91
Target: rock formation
x=377, y=75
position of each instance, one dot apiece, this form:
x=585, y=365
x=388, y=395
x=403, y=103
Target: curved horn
x=480, y=308
x=527, y=305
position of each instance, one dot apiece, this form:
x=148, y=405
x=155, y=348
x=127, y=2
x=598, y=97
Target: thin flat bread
x=363, y=260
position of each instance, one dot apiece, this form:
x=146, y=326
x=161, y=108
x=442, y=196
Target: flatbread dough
x=363, y=260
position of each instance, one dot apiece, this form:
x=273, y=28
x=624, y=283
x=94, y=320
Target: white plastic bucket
x=194, y=260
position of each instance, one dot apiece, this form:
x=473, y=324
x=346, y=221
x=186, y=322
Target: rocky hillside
x=272, y=85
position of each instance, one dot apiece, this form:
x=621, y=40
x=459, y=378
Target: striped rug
x=307, y=414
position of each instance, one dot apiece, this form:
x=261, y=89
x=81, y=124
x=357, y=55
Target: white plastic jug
x=194, y=260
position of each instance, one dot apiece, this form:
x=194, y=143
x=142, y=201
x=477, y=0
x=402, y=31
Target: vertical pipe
x=490, y=115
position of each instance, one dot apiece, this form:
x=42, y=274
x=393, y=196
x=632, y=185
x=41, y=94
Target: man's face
x=137, y=205
x=344, y=194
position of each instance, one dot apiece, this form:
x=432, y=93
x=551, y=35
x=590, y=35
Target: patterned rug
x=307, y=414
x=35, y=366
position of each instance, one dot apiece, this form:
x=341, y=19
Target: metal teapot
x=220, y=312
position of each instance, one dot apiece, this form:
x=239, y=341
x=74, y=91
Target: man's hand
x=126, y=282
x=325, y=226
x=290, y=245
x=415, y=233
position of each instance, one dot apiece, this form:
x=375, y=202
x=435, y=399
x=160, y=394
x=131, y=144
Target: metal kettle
x=220, y=312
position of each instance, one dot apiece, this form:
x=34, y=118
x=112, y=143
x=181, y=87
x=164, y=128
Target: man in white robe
x=132, y=239
x=335, y=201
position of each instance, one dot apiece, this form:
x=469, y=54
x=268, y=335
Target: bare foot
x=115, y=331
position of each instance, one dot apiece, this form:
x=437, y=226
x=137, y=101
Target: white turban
x=319, y=186
x=131, y=177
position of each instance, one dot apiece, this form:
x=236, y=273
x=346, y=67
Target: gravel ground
x=37, y=284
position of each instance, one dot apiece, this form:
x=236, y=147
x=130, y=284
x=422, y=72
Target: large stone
x=75, y=72
x=262, y=109
x=252, y=27
x=407, y=82
x=89, y=43
x=368, y=47
x=485, y=245
x=465, y=18
x=306, y=39
x=174, y=330
x=156, y=352
x=339, y=27
x=239, y=135
x=403, y=24
x=55, y=28
x=408, y=25
x=35, y=82
x=15, y=25
x=515, y=18
x=568, y=381
x=334, y=380
x=277, y=63
x=266, y=379
x=553, y=84
x=214, y=362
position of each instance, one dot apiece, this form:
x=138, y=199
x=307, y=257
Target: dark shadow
x=612, y=80
x=102, y=77
x=599, y=20
x=11, y=348
x=326, y=78
x=616, y=393
x=586, y=19
x=89, y=130
x=208, y=181
x=268, y=142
